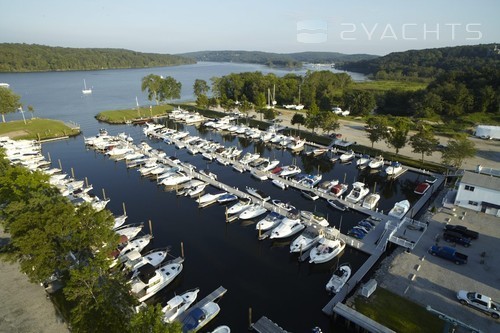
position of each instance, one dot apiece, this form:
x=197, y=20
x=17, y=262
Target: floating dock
x=265, y=325
x=216, y=294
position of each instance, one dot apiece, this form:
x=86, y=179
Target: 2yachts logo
x=317, y=31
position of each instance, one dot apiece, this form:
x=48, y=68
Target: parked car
x=479, y=302
x=456, y=237
x=462, y=230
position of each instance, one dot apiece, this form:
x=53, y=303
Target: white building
x=479, y=192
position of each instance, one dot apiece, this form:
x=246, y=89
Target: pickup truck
x=479, y=302
x=449, y=253
x=462, y=230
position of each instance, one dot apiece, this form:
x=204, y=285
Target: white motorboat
x=269, y=165
x=363, y=161
x=394, y=169
x=339, y=278
x=119, y=221
x=252, y=211
x=307, y=239
x=152, y=280
x=258, y=193
x=376, y=162
x=240, y=206
x=222, y=329
x=197, y=318
x=129, y=231
x=358, y=192
x=228, y=197
x=400, y=209
x=311, y=180
x=196, y=190
x=177, y=178
x=136, y=244
x=289, y=226
x=270, y=221
x=371, y=200
x=339, y=189
x=209, y=198
x=326, y=250
x=285, y=205
x=314, y=217
x=135, y=261
x=289, y=170
x=296, y=144
x=279, y=184
x=178, y=304
x=347, y=156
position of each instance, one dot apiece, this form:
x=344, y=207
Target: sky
x=283, y=26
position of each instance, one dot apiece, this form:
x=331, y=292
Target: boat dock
x=374, y=243
x=216, y=294
x=360, y=320
x=265, y=325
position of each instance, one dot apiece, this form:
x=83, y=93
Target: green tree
x=377, y=128
x=329, y=122
x=9, y=102
x=202, y=101
x=423, y=142
x=245, y=107
x=213, y=102
x=153, y=84
x=398, y=136
x=149, y=320
x=269, y=114
x=170, y=89
x=458, y=150
x=260, y=103
x=359, y=102
x=103, y=302
x=200, y=87
x=227, y=104
x=31, y=109
x=313, y=119
x=298, y=119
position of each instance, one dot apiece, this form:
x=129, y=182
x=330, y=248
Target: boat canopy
x=146, y=272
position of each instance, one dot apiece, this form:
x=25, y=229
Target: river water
x=261, y=275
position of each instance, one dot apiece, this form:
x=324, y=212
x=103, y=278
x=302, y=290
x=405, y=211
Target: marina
x=257, y=273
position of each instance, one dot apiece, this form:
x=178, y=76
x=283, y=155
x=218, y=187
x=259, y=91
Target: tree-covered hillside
x=289, y=60
x=428, y=63
x=34, y=58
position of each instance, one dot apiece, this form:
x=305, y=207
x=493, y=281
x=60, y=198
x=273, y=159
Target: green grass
x=398, y=313
x=36, y=129
x=121, y=116
x=385, y=85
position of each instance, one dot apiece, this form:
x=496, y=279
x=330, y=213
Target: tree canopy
x=36, y=58
x=9, y=102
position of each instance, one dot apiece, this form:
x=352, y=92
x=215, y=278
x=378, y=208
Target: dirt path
x=24, y=307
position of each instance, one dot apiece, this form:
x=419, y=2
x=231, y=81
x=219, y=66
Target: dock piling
x=150, y=228
x=60, y=165
x=250, y=318
x=103, y=194
x=72, y=173
x=182, y=249
x=124, y=209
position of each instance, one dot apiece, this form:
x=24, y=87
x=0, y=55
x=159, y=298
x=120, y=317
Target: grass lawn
x=398, y=313
x=121, y=116
x=36, y=129
x=385, y=85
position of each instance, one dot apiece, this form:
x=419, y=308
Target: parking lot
x=434, y=281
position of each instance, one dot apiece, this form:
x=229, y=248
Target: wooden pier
x=360, y=320
x=265, y=325
x=216, y=294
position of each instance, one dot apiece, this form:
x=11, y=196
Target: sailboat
x=86, y=91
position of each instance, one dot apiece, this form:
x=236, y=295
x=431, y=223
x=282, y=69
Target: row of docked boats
x=374, y=163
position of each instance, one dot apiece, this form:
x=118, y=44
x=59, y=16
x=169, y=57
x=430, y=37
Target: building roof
x=480, y=180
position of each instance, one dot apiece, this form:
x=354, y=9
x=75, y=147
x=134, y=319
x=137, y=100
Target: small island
x=133, y=116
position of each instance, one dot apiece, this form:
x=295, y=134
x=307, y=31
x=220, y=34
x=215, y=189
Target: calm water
x=258, y=274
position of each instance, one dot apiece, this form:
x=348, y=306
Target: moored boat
x=307, y=239
x=422, y=188
x=400, y=209
x=197, y=318
x=371, y=200
x=326, y=250
x=178, y=304
x=339, y=278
